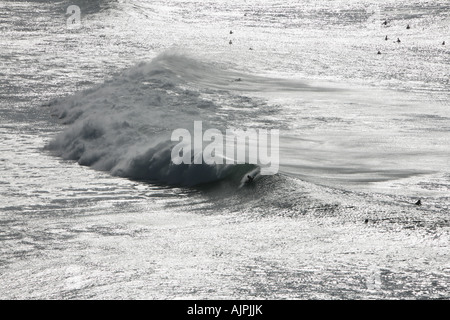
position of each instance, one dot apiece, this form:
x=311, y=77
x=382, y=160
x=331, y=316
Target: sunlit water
x=363, y=137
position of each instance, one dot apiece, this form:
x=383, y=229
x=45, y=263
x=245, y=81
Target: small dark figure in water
x=250, y=178
x=398, y=40
x=443, y=43
x=250, y=48
x=231, y=32
x=379, y=52
x=408, y=27
x=418, y=203
x=230, y=42
x=385, y=22
x=366, y=221
x=238, y=79
x=386, y=38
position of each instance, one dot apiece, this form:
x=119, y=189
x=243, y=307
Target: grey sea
x=92, y=206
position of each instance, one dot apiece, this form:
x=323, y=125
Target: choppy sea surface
x=92, y=208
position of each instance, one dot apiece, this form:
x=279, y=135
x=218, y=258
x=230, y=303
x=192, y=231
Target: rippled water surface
x=362, y=137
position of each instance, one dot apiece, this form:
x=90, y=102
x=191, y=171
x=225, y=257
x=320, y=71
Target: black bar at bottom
x=225, y=309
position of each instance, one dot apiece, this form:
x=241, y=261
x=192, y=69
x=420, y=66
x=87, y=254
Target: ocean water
x=91, y=207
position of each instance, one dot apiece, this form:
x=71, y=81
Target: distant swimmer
x=408, y=27
x=249, y=179
x=385, y=22
x=231, y=42
x=386, y=38
x=418, y=203
x=250, y=48
x=398, y=40
x=379, y=52
x=231, y=32
x=238, y=79
x=443, y=43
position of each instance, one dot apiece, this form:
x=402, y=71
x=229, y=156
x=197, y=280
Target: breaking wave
x=124, y=125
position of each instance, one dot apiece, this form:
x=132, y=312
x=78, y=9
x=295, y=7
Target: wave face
x=124, y=125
